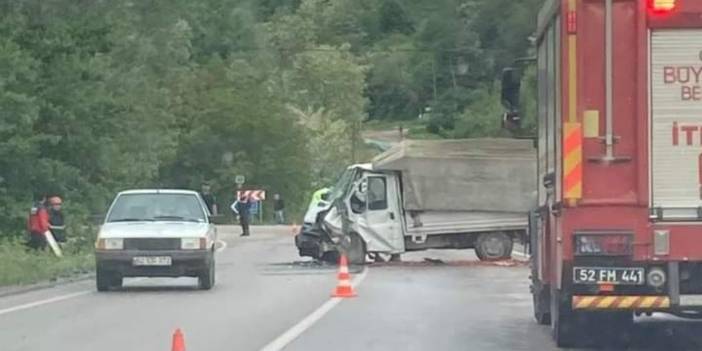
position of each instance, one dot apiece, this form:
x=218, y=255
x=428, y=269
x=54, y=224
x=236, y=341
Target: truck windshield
x=157, y=207
x=341, y=184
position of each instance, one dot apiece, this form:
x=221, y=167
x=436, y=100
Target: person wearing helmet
x=56, y=221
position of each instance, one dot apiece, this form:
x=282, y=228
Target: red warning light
x=661, y=7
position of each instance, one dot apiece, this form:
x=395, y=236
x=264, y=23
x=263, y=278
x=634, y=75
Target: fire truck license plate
x=619, y=276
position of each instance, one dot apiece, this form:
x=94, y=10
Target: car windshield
x=157, y=207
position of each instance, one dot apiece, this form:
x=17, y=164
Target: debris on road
x=429, y=262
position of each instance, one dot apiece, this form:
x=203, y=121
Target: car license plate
x=614, y=275
x=152, y=261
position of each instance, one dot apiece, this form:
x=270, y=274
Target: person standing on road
x=279, y=208
x=56, y=221
x=38, y=223
x=209, y=198
x=242, y=207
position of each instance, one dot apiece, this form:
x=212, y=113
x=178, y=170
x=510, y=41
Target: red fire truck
x=618, y=227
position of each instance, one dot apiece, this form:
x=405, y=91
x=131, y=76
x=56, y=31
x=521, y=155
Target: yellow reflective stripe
x=572, y=78
x=585, y=302
x=628, y=301
x=620, y=302
x=647, y=302
x=606, y=302
x=572, y=160
x=572, y=70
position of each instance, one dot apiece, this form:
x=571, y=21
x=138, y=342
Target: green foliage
x=101, y=96
x=20, y=266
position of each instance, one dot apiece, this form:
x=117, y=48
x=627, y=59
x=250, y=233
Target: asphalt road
x=267, y=296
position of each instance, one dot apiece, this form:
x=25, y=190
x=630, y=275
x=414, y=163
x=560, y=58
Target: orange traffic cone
x=178, y=341
x=344, y=288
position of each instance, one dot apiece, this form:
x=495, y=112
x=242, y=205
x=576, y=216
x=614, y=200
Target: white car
x=156, y=233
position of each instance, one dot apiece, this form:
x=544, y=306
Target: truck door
x=376, y=207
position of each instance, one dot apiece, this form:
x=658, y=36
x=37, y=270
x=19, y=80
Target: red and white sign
x=252, y=195
x=676, y=121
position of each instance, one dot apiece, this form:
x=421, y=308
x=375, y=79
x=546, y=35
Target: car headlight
x=111, y=244
x=193, y=243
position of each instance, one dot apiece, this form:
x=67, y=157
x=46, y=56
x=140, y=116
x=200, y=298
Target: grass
x=19, y=266
x=415, y=129
x=421, y=132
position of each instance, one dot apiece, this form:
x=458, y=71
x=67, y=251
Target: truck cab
x=428, y=195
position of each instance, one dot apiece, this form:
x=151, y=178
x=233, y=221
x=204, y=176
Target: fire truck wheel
x=493, y=246
x=542, y=314
x=563, y=321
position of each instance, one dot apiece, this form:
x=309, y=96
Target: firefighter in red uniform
x=38, y=224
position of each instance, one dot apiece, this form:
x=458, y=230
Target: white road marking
x=293, y=333
x=221, y=248
x=55, y=299
x=44, y=302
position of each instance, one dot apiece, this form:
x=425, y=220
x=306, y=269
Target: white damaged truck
x=429, y=194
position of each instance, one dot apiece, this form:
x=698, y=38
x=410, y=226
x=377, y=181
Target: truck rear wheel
x=493, y=246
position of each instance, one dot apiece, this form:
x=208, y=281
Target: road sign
x=253, y=195
x=253, y=210
x=240, y=179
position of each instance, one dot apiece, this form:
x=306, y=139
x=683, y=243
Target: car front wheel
x=206, y=279
x=106, y=280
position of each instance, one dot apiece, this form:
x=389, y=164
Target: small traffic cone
x=178, y=341
x=344, y=288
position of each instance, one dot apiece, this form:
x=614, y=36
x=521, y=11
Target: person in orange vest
x=56, y=221
x=38, y=223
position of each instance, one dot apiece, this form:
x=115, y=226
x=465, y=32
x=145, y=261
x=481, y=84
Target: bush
x=22, y=266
